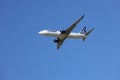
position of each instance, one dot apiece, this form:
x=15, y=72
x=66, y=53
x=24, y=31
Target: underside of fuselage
x=71, y=35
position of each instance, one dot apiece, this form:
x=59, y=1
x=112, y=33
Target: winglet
x=83, y=16
x=87, y=33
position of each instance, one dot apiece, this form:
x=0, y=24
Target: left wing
x=59, y=44
x=63, y=36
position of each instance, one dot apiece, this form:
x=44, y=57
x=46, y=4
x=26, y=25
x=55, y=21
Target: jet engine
x=63, y=31
x=56, y=40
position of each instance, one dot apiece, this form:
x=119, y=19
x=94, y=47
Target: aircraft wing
x=59, y=44
x=63, y=36
x=74, y=25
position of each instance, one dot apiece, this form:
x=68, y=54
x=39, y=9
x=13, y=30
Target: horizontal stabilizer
x=87, y=33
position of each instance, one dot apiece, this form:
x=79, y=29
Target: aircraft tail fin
x=87, y=33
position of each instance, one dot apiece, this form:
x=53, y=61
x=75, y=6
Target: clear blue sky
x=26, y=55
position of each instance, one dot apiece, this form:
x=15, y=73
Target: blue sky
x=26, y=55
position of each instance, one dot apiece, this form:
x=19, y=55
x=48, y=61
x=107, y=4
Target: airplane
x=62, y=35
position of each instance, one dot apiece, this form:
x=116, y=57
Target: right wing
x=74, y=25
x=62, y=37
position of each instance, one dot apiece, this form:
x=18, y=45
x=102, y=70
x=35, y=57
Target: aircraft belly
x=76, y=36
x=70, y=36
x=53, y=34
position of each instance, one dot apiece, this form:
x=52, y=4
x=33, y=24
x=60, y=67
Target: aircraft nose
x=41, y=32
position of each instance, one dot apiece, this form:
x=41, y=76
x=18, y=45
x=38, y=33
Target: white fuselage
x=57, y=33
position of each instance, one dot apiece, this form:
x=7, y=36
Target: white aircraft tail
x=87, y=33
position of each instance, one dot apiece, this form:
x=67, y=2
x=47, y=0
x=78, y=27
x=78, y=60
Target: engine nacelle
x=63, y=31
x=56, y=40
